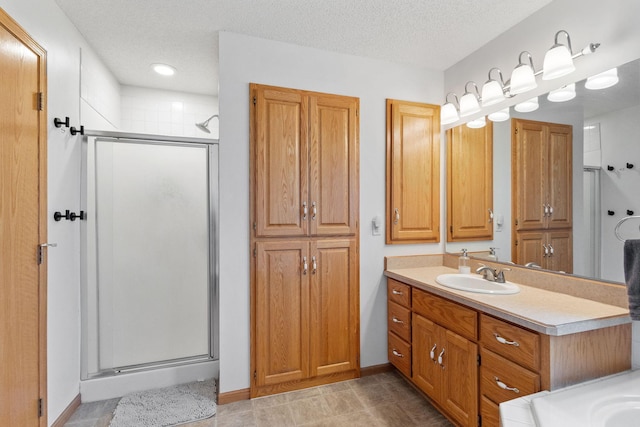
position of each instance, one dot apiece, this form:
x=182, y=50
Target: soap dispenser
x=492, y=254
x=464, y=263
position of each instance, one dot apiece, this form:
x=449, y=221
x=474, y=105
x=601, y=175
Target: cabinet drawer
x=496, y=372
x=399, y=293
x=400, y=354
x=456, y=318
x=490, y=413
x=399, y=320
x=514, y=343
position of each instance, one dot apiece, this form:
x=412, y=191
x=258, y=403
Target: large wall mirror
x=606, y=174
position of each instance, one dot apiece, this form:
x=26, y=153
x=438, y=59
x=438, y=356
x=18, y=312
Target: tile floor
x=372, y=401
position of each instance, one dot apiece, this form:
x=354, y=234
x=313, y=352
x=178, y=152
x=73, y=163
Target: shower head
x=204, y=126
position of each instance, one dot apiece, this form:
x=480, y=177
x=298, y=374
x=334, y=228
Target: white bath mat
x=167, y=406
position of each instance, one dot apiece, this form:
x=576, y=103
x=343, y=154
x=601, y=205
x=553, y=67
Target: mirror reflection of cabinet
x=542, y=194
x=470, y=183
x=413, y=172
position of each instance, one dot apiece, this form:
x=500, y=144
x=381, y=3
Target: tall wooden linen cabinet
x=304, y=239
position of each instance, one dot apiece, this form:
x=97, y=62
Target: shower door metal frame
x=213, y=262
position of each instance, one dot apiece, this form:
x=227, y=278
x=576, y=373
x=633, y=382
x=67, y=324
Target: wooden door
x=470, y=183
x=333, y=198
x=426, y=372
x=560, y=182
x=560, y=244
x=281, y=155
x=460, y=367
x=334, y=301
x=530, y=247
x=23, y=226
x=413, y=172
x=281, y=311
x=530, y=176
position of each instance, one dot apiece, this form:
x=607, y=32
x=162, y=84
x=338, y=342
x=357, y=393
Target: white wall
x=46, y=23
x=246, y=59
x=619, y=188
x=165, y=112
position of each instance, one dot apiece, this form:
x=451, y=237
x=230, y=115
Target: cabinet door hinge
x=516, y=242
x=39, y=407
x=255, y=100
x=255, y=376
x=479, y=360
x=255, y=227
x=451, y=228
x=516, y=131
x=255, y=252
x=516, y=221
x=40, y=101
x=479, y=420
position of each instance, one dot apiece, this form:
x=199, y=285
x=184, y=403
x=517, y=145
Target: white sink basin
x=475, y=283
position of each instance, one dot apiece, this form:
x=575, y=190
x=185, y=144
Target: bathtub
x=612, y=401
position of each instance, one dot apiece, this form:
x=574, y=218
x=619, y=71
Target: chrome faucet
x=490, y=274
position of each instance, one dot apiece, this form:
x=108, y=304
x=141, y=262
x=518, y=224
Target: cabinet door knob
x=490, y=215
x=304, y=211
x=314, y=265
x=440, y=358
x=396, y=320
x=305, y=266
x=504, y=341
x=396, y=292
x=397, y=354
x=314, y=211
x=505, y=387
x=432, y=353
x=397, y=216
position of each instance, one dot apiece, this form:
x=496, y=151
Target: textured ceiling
x=129, y=35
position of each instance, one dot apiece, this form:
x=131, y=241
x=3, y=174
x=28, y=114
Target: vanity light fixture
x=470, y=102
x=449, y=111
x=478, y=123
x=565, y=93
x=523, y=77
x=500, y=115
x=603, y=80
x=163, y=69
x=558, y=61
x=493, y=90
x=527, y=106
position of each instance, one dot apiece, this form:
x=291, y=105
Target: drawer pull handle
x=504, y=341
x=396, y=320
x=506, y=387
x=432, y=353
x=396, y=292
x=440, y=358
x=395, y=353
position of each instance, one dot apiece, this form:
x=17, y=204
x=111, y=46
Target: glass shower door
x=150, y=289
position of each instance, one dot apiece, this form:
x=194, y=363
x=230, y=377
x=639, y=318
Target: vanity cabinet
x=468, y=362
x=304, y=241
x=470, y=183
x=413, y=172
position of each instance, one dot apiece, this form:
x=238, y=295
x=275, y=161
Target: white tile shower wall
x=167, y=113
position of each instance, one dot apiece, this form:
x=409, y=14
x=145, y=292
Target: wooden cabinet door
x=281, y=311
x=460, y=365
x=560, y=244
x=334, y=302
x=529, y=247
x=530, y=175
x=426, y=372
x=560, y=182
x=333, y=198
x=413, y=172
x=281, y=155
x=469, y=183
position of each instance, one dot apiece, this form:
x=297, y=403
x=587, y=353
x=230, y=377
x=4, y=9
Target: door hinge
x=451, y=228
x=479, y=360
x=255, y=100
x=40, y=101
x=39, y=407
x=255, y=376
x=255, y=226
x=255, y=252
x=516, y=242
x=516, y=221
x=516, y=131
x=479, y=420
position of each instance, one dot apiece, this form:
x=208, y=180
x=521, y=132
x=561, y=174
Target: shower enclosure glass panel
x=150, y=291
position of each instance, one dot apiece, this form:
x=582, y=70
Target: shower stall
x=149, y=256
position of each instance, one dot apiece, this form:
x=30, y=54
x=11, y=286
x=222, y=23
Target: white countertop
x=550, y=313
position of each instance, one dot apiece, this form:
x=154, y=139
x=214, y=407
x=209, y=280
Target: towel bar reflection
x=622, y=221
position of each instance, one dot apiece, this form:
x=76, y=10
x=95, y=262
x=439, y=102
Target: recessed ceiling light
x=163, y=69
